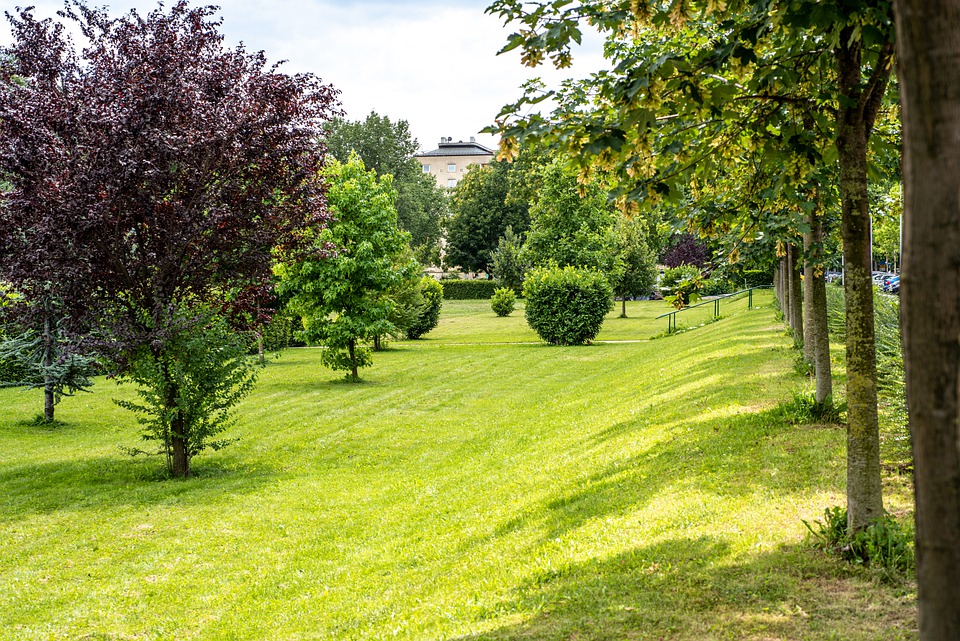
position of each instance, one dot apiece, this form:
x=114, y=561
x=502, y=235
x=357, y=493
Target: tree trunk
x=49, y=399
x=623, y=313
x=864, y=492
x=352, y=349
x=778, y=291
x=260, y=355
x=377, y=343
x=796, y=295
x=787, y=294
x=178, y=454
x=811, y=271
x=928, y=40
x=181, y=455
x=815, y=299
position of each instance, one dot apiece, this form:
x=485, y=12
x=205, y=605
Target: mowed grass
x=465, y=490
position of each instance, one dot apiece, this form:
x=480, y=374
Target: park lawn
x=464, y=490
x=472, y=321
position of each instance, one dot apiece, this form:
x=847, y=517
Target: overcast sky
x=429, y=62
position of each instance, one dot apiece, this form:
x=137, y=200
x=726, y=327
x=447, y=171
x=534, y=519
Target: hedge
x=456, y=289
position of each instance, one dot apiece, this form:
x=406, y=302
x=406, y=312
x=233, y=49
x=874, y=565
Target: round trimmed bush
x=432, y=293
x=566, y=306
x=503, y=301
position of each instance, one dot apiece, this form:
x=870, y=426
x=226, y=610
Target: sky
x=429, y=62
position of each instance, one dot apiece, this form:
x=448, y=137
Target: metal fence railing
x=672, y=316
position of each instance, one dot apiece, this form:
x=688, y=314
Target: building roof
x=450, y=148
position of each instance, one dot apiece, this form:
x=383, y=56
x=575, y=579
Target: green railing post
x=716, y=307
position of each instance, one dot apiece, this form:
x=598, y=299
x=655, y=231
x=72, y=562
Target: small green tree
x=508, y=262
x=36, y=353
x=432, y=293
x=639, y=264
x=387, y=147
x=207, y=368
x=566, y=306
x=342, y=298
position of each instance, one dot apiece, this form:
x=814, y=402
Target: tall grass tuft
x=891, y=388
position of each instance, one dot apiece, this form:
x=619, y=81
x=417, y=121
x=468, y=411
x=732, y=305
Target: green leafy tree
x=509, y=265
x=572, y=225
x=342, y=298
x=387, y=147
x=482, y=211
x=638, y=262
x=432, y=293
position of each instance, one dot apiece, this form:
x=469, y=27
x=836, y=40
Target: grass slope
x=466, y=490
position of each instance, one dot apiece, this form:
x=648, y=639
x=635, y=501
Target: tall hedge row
x=469, y=289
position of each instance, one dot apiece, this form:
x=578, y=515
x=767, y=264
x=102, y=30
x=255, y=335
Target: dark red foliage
x=687, y=250
x=152, y=169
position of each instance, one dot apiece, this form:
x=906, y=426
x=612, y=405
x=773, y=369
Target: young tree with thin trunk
x=343, y=298
x=928, y=47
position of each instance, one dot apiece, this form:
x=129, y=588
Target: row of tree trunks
x=928, y=42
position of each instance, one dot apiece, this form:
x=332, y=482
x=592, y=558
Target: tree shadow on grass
x=694, y=589
x=96, y=482
x=727, y=457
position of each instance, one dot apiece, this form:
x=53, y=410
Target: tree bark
x=178, y=453
x=181, y=454
x=49, y=398
x=796, y=295
x=928, y=40
x=776, y=285
x=260, y=355
x=816, y=330
x=864, y=491
x=810, y=273
x=352, y=349
x=623, y=312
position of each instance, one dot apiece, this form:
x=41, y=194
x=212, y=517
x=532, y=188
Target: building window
x=426, y=169
x=451, y=182
x=451, y=168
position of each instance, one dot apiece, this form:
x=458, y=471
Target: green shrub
x=681, y=285
x=566, y=306
x=469, y=289
x=503, y=301
x=884, y=543
x=433, y=295
x=197, y=380
x=716, y=286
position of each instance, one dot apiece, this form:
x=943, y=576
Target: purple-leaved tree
x=146, y=176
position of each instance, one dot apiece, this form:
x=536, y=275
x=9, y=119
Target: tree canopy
x=387, y=147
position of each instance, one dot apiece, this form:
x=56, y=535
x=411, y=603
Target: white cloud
x=431, y=63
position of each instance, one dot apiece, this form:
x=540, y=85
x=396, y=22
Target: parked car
x=892, y=285
x=879, y=277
